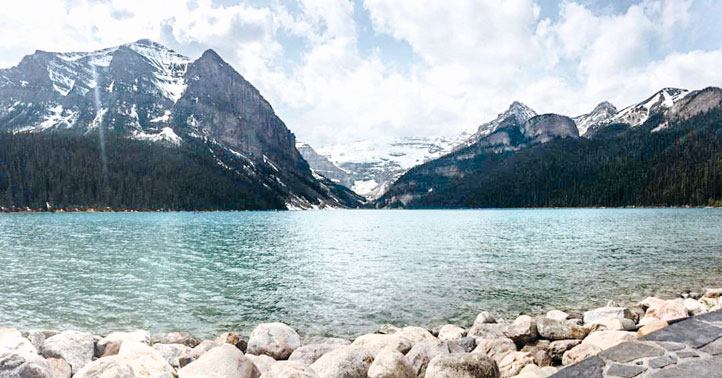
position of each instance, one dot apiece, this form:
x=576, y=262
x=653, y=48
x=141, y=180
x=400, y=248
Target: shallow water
x=340, y=272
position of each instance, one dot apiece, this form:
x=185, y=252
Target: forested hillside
x=621, y=166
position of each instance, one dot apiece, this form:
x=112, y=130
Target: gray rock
x=557, y=315
x=233, y=339
x=687, y=354
x=451, y=332
x=462, y=345
x=607, y=312
x=488, y=330
x=390, y=363
x=11, y=340
x=421, y=354
x=551, y=329
x=273, y=339
x=375, y=342
x=628, y=352
x=37, y=338
x=172, y=352
x=144, y=360
x=690, y=332
x=289, y=369
x=540, y=352
x=110, y=345
x=695, y=368
x=263, y=363
x=660, y=362
x=625, y=371
x=557, y=349
x=416, y=334
x=590, y=368
x=308, y=354
x=59, y=368
x=523, y=330
x=496, y=348
x=345, y=362
x=472, y=365
x=76, y=348
x=106, y=367
x=514, y=362
x=196, y=352
x=224, y=361
x=19, y=364
x=184, y=338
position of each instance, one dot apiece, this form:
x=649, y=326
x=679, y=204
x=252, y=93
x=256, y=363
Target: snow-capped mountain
x=637, y=114
x=144, y=91
x=516, y=113
x=370, y=166
x=601, y=115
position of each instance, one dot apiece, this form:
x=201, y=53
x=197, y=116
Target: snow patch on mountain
x=601, y=115
x=636, y=115
x=165, y=135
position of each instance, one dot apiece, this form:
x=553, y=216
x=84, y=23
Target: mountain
x=147, y=93
x=517, y=114
x=321, y=165
x=673, y=157
x=601, y=115
x=369, y=166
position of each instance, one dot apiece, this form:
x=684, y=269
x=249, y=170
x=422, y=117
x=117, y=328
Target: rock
x=390, y=363
x=496, y=348
x=607, y=339
x=106, y=367
x=233, y=339
x=551, y=329
x=330, y=340
x=145, y=361
x=472, y=365
x=651, y=325
x=375, y=342
x=664, y=310
x=11, y=340
x=110, y=345
x=76, y=348
x=534, y=371
x=421, y=353
x=540, y=352
x=184, y=338
x=694, y=307
x=37, y=338
x=308, y=354
x=523, y=330
x=416, y=334
x=488, y=330
x=618, y=370
x=224, y=361
x=172, y=352
x=559, y=347
x=387, y=329
x=462, y=345
x=637, y=313
x=262, y=362
x=484, y=317
x=579, y=353
x=346, y=361
x=196, y=352
x=709, y=302
x=607, y=312
x=19, y=363
x=631, y=351
x=451, y=332
x=59, y=368
x=289, y=369
x=273, y=339
x=513, y=362
x=713, y=293
x=557, y=315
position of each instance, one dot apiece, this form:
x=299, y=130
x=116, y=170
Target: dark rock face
x=321, y=165
x=145, y=91
x=546, y=127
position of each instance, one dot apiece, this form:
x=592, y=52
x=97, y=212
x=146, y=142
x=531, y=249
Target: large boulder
x=579, y=353
x=289, y=369
x=496, y=348
x=551, y=329
x=273, y=339
x=76, y=348
x=534, y=371
x=607, y=339
x=649, y=325
x=308, y=354
x=523, y=330
x=375, y=342
x=694, y=307
x=11, y=340
x=540, y=352
x=416, y=334
x=145, y=361
x=224, y=361
x=390, y=363
x=610, y=324
x=472, y=365
x=513, y=362
x=664, y=310
x=110, y=345
x=462, y=345
x=423, y=352
x=345, y=362
x=21, y=364
x=557, y=315
x=172, y=352
x=196, y=352
x=184, y=338
x=486, y=326
x=607, y=312
x=233, y=339
x=451, y=332
x=263, y=363
x=106, y=367
x=59, y=368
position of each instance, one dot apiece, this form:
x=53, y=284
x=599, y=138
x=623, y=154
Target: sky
x=341, y=70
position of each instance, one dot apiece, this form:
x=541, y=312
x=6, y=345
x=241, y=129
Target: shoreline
x=537, y=344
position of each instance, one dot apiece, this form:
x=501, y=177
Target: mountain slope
x=146, y=92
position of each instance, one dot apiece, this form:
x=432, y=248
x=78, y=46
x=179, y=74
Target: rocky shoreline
x=528, y=347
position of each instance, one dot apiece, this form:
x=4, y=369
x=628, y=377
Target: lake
x=343, y=272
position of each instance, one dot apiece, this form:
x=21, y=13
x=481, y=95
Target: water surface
x=340, y=272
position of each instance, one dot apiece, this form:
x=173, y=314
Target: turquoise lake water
x=341, y=273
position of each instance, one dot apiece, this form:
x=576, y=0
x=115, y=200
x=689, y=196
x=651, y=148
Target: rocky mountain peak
x=515, y=115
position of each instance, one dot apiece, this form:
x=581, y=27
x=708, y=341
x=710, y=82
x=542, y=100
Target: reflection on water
x=340, y=272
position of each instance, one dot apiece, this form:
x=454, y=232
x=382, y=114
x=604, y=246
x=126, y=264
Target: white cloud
x=472, y=57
